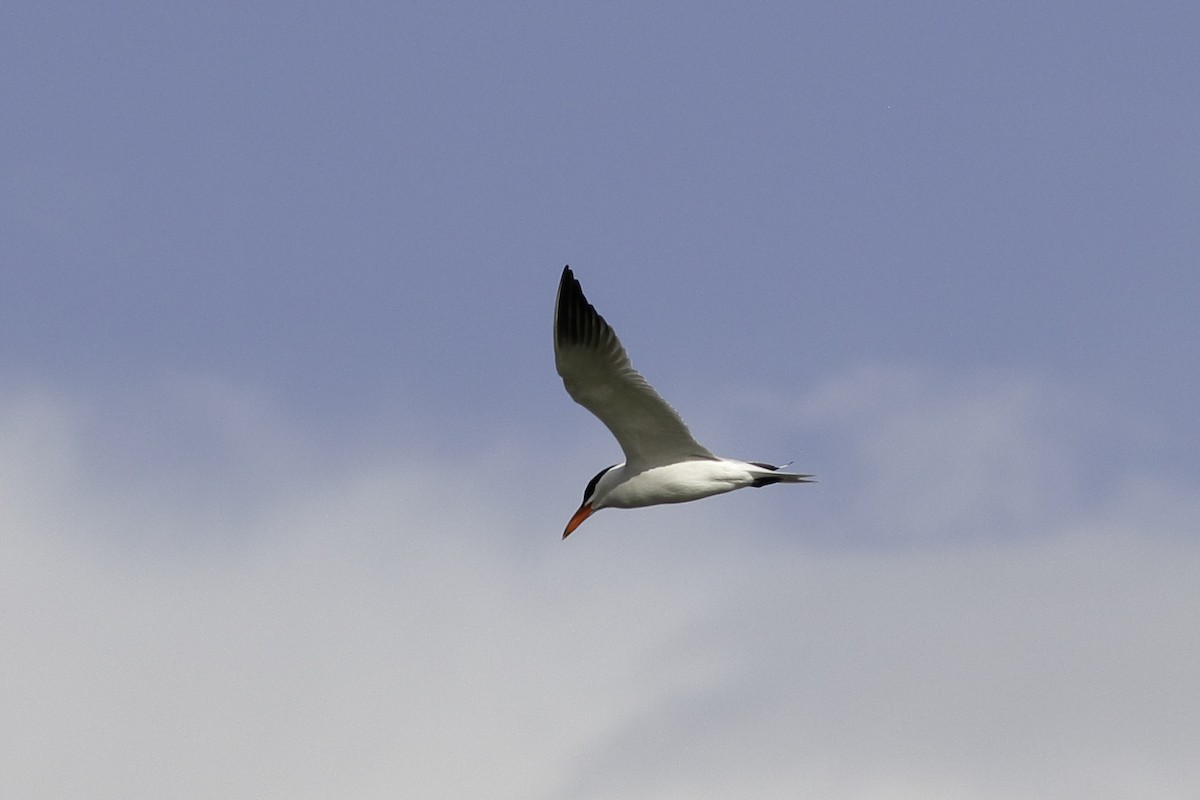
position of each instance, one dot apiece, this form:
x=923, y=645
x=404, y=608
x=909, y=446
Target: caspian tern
x=663, y=463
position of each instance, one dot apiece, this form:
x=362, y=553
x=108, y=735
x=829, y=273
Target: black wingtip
x=568, y=278
x=576, y=321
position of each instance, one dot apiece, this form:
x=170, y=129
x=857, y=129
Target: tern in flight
x=663, y=463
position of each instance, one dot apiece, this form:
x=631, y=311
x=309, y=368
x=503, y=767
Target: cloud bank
x=201, y=600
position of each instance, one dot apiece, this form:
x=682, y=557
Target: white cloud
x=398, y=625
x=915, y=456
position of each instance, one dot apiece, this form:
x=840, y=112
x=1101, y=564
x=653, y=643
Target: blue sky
x=284, y=460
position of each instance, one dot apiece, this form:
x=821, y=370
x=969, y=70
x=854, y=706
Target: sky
x=284, y=462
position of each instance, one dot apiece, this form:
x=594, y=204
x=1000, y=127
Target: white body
x=674, y=483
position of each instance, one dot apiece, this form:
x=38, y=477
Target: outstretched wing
x=598, y=375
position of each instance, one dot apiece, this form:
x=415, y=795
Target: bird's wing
x=597, y=373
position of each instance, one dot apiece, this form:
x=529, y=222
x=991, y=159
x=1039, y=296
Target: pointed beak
x=583, y=513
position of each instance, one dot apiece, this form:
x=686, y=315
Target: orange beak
x=583, y=513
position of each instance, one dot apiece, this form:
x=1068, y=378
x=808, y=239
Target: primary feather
x=598, y=375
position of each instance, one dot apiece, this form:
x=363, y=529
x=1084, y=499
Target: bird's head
x=593, y=500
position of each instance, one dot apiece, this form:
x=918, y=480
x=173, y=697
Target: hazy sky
x=284, y=461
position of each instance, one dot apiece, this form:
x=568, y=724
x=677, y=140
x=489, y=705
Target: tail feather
x=776, y=476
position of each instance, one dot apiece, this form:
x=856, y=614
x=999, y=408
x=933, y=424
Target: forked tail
x=775, y=476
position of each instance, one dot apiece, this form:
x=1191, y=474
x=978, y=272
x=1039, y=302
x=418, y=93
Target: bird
x=663, y=461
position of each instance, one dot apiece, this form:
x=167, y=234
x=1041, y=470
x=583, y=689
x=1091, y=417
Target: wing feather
x=599, y=376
